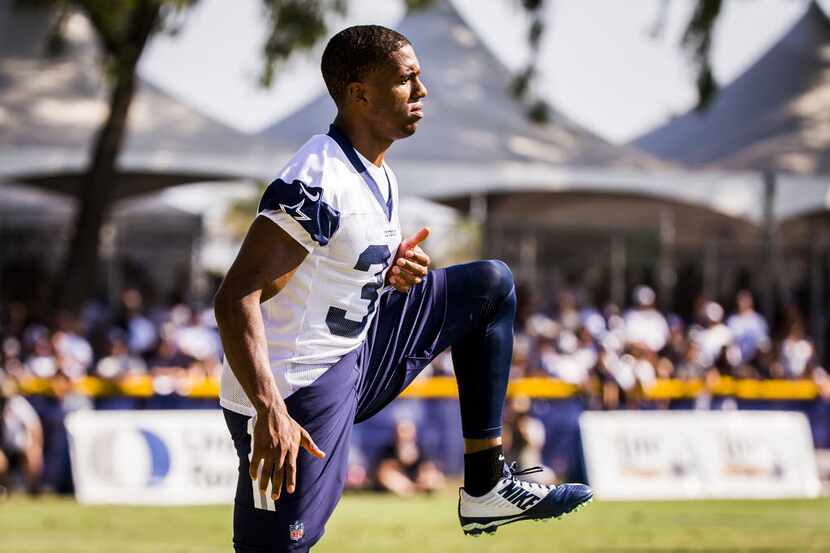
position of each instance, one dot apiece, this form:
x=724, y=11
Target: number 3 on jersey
x=336, y=319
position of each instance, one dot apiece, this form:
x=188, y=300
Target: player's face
x=394, y=94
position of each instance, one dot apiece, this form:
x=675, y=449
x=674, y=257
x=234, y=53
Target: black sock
x=482, y=470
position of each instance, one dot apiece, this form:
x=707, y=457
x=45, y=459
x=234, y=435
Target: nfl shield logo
x=296, y=531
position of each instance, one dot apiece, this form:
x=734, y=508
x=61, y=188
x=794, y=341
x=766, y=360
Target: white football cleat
x=512, y=500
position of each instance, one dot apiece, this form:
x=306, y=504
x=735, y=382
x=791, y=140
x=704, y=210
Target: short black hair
x=354, y=52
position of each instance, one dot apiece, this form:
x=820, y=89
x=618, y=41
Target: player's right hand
x=276, y=442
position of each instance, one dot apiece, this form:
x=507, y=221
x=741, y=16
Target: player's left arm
x=411, y=263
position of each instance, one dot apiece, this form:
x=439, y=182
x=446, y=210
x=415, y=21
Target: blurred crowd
x=615, y=354
x=175, y=345
x=611, y=355
x=163, y=341
x=618, y=350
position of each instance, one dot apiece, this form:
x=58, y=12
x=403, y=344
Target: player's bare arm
x=267, y=259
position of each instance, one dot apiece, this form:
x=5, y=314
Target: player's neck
x=363, y=139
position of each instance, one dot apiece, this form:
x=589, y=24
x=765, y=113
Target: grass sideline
x=377, y=523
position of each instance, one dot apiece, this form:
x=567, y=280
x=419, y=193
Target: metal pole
x=528, y=258
x=109, y=255
x=710, y=268
x=666, y=275
x=478, y=208
x=768, y=256
x=817, y=290
x=490, y=235
x=618, y=266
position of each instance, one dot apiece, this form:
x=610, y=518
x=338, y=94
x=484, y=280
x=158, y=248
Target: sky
x=599, y=63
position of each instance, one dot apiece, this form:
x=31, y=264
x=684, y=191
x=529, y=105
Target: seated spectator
x=141, y=332
x=71, y=347
x=42, y=362
x=570, y=358
x=196, y=339
x=644, y=325
x=714, y=337
x=357, y=477
x=615, y=337
x=767, y=362
x=403, y=470
x=690, y=366
x=119, y=363
x=169, y=368
x=749, y=328
x=593, y=322
x=519, y=366
x=567, y=313
x=21, y=439
x=796, y=351
x=168, y=359
x=677, y=344
x=12, y=358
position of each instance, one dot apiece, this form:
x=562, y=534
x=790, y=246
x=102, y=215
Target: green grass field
x=376, y=523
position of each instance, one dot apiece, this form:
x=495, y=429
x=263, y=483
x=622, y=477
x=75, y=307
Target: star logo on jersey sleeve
x=296, y=211
x=305, y=204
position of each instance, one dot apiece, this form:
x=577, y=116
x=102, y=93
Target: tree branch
x=96, y=13
x=698, y=40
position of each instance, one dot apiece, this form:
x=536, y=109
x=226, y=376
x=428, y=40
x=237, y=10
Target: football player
x=326, y=315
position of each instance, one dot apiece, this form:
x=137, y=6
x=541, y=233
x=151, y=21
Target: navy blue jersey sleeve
x=301, y=210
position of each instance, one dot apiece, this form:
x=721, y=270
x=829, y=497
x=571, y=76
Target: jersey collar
x=343, y=141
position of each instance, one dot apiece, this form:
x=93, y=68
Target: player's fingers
x=399, y=284
x=415, y=269
x=308, y=444
x=291, y=470
x=265, y=475
x=416, y=238
x=277, y=475
x=419, y=256
x=407, y=278
x=256, y=460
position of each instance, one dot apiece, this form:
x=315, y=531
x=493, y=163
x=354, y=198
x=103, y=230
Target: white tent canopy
x=471, y=117
x=774, y=116
x=476, y=139
x=50, y=109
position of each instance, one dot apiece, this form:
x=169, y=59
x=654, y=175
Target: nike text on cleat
x=513, y=499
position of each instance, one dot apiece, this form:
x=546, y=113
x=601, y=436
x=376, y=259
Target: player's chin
x=410, y=128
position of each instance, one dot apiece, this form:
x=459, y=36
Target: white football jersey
x=330, y=201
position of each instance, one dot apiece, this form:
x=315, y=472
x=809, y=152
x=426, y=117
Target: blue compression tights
x=481, y=308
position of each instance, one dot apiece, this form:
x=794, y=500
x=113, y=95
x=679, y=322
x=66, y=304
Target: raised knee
x=496, y=278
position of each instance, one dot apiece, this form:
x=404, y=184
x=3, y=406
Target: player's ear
x=356, y=93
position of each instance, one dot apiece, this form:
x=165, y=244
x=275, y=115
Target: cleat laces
x=512, y=471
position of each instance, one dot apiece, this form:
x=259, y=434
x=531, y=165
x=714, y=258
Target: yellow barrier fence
x=445, y=387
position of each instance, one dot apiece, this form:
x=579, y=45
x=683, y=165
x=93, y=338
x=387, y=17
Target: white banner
x=694, y=454
x=152, y=457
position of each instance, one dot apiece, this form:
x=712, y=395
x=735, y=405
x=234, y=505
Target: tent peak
x=770, y=118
